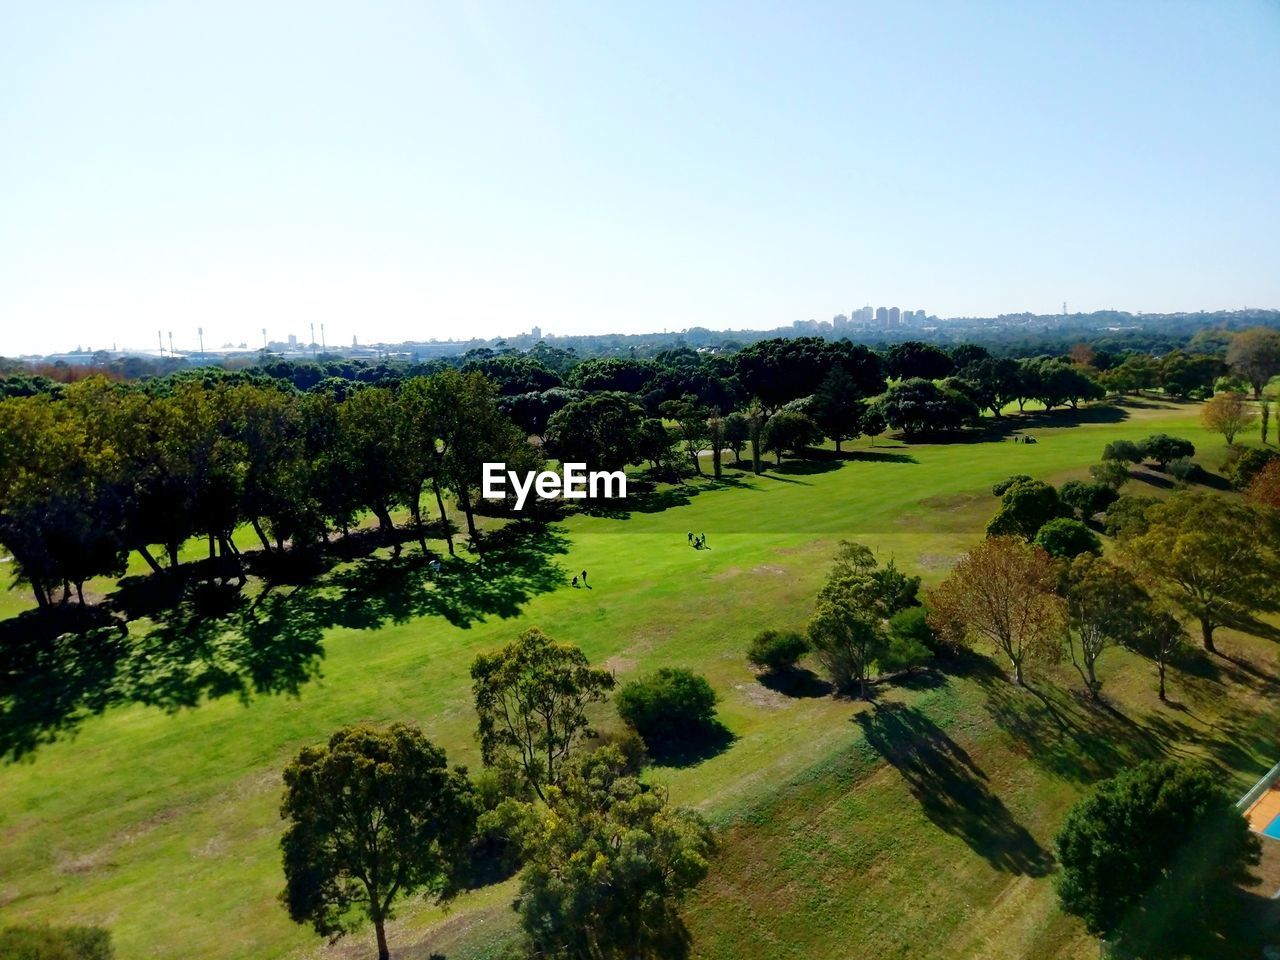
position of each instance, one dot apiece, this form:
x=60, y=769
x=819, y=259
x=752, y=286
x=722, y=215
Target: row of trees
x=105, y=469
x=605, y=861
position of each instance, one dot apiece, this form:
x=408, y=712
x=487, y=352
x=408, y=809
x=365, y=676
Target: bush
x=775, y=651
x=1025, y=508
x=1247, y=464
x=909, y=643
x=56, y=943
x=1088, y=498
x=668, y=705
x=913, y=623
x=1163, y=448
x=1184, y=469
x=1066, y=537
x=998, y=489
x=1123, y=451
x=1127, y=517
x=1110, y=473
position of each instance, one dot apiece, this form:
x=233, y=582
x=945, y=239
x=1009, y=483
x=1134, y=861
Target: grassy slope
x=839, y=840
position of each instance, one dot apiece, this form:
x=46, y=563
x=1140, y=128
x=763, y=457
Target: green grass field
x=920, y=826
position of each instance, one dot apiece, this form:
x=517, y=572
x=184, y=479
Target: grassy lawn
x=920, y=826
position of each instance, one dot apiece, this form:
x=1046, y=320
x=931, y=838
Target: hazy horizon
x=407, y=171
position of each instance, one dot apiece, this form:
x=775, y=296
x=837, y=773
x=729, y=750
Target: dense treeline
x=93, y=469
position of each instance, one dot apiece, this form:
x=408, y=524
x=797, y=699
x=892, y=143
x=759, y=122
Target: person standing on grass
x=584, y=578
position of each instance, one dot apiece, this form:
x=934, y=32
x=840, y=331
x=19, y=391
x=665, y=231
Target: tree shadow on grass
x=807, y=467
x=694, y=747
x=221, y=641
x=1075, y=738
x=877, y=456
x=951, y=789
x=798, y=683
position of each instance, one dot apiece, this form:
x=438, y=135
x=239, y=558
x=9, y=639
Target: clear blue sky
x=424, y=169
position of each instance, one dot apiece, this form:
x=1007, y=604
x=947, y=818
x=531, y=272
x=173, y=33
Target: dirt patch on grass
x=761, y=696
x=770, y=569
x=937, y=561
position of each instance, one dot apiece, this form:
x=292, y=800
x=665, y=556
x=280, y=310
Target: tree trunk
x=1160, y=668
x=42, y=598
x=380, y=928
x=1017, y=672
x=80, y=591
x=715, y=461
x=415, y=509
x=213, y=553
x=151, y=561
x=444, y=519
x=1206, y=631
x=697, y=460
x=172, y=548
x=837, y=444
x=257, y=528
x=464, y=498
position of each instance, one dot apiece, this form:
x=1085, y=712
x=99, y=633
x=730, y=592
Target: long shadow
x=220, y=641
x=877, y=456
x=1077, y=739
x=694, y=747
x=806, y=467
x=951, y=789
x=796, y=682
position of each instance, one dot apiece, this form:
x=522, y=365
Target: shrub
x=1025, y=508
x=1127, y=517
x=905, y=647
x=56, y=943
x=668, y=705
x=1088, y=498
x=1123, y=451
x=1066, y=537
x=1162, y=448
x=997, y=490
x=1110, y=473
x=913, y=623
x=1184, y=469
x=774, y=651
x=1247, y=464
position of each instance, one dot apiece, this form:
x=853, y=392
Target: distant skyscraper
x=536, y=333
x=882, y=317
x=895, y=317
x=293, y=341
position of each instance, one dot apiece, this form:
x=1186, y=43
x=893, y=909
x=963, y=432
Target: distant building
x=536, y=333
x=293, y=341
x=882, y=317
x=895, y=317
x=839, y=322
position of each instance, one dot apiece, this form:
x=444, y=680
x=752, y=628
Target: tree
x=531, y=697
x=602, y=431
x=848, y=627
x=1127, y=517
x=1227, y=414
x=1025, y=507
x=691, y=420
x=1246, y=464
x=1162, y=448
x=608, y=866
x=667, y=706
x=1103, y=604
x=1123, y=451
x=1157, y=635
x=1255, y=355
x=921, y=406
x=1110, y=473
x=1087, y=498
x=1209, y=556
x=1067, y=537
x=777, y=651
x=1002, y=592
x=788, y=431
x=837, y=406
x=778, y=371
x=1161, y=827
x=995, y=382
x=1264, y=489
x=915, y=359
x=999, y=488
x=736, y=433
x=374, y=815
